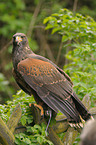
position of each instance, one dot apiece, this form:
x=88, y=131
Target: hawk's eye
x=22, y=36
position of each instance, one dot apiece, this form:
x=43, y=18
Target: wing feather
x=50, y=85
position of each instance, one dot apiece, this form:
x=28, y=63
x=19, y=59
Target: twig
x=45, y=45
x=59, y=52
x=49, y=52
x=75, y=5
x=37, y=9
x=6, y=46
x=67, y=49
x=38, y=26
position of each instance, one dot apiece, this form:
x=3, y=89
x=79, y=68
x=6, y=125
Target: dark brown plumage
x=50, y=85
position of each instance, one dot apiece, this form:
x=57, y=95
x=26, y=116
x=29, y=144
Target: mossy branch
x=6, y=131
x=6, y=136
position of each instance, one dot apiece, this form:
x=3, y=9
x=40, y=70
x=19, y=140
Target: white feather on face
x=18, y=39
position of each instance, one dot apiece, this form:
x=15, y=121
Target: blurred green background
x=27, y=16
x=63, y=31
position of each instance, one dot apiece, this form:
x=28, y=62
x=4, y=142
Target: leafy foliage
x=34, y=135
x=4, y=85
x=10, y=18
x=79, y=33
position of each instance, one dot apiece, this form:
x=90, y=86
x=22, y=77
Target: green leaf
x=47, y=19
x=40, y=139
x=55, y=30
x=64, y=38
x=23, y=120
x=49, y=26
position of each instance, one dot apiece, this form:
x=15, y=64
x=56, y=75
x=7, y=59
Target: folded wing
x=50, y=85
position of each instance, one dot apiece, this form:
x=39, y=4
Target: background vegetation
x=68, y=39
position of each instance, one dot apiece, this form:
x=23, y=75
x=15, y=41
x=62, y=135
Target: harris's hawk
x=51, y=87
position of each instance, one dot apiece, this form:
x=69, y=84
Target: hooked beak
x=18, y=39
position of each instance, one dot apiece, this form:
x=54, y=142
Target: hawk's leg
x=40, y=108
x=48, y=113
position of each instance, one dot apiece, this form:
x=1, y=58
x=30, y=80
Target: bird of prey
x=51, y=87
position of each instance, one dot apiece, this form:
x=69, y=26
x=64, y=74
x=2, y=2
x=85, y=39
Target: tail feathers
x=76, y=125
x=81, y=108
x=79, y=126
x=63, y=106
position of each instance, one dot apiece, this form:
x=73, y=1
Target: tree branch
x=75, y=5
x=6, y=46
x=6, y=131
x=14, y=119
x=59, y=52
x=44, y=45
x=6, y=137
x=33, y=20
